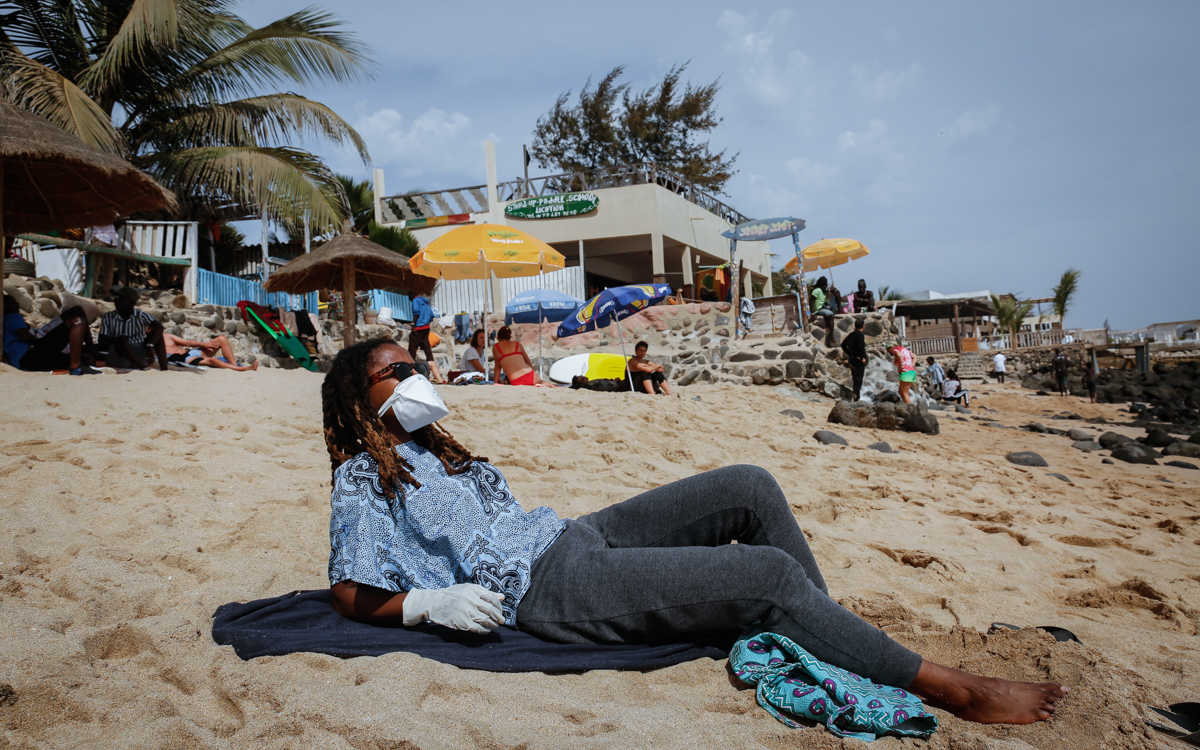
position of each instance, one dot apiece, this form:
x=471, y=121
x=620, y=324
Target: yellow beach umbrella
x=827, y=254
x=479, y=250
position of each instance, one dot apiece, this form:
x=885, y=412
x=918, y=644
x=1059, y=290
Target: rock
x=1088, y=446
x=689, y=377
x=1159, y=438
x=920, y=420
x=1059, y=477
x=1026, y=458
x=770, y=354
x=745, y=357
x=788, y=342
x=1195, y=438
x=47, y=308
x=831, y=389
x=759, y=375
x=825, y=437
x=793, y=413
x=884, y=416
x=177, y=317
x=23, y=298
x=1182, y=465
x=1134, y=453
x=721, y=320
x=853, y=414
x=798, y=354
x=1035, y=427
x=873, y=328
x=1077, y=434
x=1110, y=440
x=705, y=341
x=881, y=446
x=1107, y=461
x=796, y=369
x=845, y=323
x=211, y=323
x=210, y=309
x=1186, y=449
x=231, y=327
x=961, y=409
x=51, y=294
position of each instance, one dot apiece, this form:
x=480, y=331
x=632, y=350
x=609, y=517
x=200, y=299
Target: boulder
x=825, y=437
x=853, y=414
x=1088, y=446
x=23, y=298
x=796, y=369
x=745, y=357
x=1026, y=458
x=177, y=317
x=1186, y=449
x=881, y=446
x=231, y=326
x=1134, y=453
x=47, y=307
x=798, y=354
x=1078, y=434
x=1182, y=465
x=961, y=409
x=1195, y=438
x=873, y=328
x=1111, y=440
x=884, y=416
x=1157, y=437
x=1035, y=427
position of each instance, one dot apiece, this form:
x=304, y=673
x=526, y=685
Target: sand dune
x=135, y=505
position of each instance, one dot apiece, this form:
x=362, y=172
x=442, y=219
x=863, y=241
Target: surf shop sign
x=557, y=206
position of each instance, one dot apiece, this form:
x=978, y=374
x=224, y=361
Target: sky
x=969, y=145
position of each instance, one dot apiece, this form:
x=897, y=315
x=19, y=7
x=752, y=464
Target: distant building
x=641, y=224
x=1181, y=330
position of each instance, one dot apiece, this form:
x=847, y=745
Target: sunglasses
x=400, y=371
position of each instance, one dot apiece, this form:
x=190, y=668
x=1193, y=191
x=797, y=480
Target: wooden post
x=349, y=304
x=3, y=244
x=957, y=332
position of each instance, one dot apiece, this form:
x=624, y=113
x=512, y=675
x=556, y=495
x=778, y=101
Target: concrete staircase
x=970, y=366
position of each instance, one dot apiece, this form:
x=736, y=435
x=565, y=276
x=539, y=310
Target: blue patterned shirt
x=457, y=528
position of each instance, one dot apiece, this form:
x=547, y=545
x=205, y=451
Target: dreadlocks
x=352, y=426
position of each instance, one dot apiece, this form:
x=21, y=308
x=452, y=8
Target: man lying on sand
x=659, y=566
x=202, y=353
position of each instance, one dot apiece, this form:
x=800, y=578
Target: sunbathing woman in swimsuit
x=513, y=360
x=422, y=530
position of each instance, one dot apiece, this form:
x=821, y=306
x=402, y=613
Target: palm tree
x=176, y=86
x=887, y=294
x=1064, y=292
x=360, y=199
x=1009, y=314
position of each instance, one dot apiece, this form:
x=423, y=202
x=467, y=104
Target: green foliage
x=887, y=294
x=1064, y=293
x=1010, y=314
x=399, y=240
x=175, y=86
x=784, y=283
x=613, y=125
x=360, y=198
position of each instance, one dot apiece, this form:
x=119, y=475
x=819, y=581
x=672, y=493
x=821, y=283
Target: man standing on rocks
x=1061, y=367
x=855, y=347
x=998, y=366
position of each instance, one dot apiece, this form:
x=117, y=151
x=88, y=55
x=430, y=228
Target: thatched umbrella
x=350, y=263
x=50, y=179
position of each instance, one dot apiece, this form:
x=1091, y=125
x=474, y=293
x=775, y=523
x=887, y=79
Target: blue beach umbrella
x=613, y=305
x=536, y=305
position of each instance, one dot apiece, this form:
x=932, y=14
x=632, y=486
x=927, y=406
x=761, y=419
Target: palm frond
x=147, y=24
x=399, y=240
x=45, y=31
x=35, y=87
x=249, y=122
x=283, y=182
x=1064, y=292
x=300, y=48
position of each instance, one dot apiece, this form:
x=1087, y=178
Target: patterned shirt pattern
x=460, y=528
x=133, y=328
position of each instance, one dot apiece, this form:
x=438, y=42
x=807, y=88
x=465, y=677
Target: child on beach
x=908, y=371
x=422, y=530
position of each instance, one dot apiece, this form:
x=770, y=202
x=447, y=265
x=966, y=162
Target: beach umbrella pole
x=349, y=304
x=540, y=359
x=621, y=338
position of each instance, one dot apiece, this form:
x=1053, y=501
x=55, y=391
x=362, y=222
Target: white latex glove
x=464, y=606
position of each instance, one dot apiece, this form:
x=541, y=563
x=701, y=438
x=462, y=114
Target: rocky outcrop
x=884, y=416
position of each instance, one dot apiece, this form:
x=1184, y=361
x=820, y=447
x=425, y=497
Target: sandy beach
x=135, y=505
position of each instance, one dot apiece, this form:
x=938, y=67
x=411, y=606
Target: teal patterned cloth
x=793, y=682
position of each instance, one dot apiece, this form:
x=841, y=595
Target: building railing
x=936, y=345
x=474, y=199
x=219, y=289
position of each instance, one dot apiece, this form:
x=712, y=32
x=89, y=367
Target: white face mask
x=415, y=402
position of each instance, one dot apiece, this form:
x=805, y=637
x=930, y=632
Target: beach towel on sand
x=306, y=621
x=792, y=681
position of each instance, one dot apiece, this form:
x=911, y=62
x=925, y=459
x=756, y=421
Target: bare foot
x=986, y=700
x=253, y=366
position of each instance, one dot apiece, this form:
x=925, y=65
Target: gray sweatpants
x=660, y=566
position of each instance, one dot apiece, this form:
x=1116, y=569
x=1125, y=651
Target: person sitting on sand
x=421, y=530
x=510, y=356
x=203, y=353
x=953, y=391
x=130, y=335
x=472, y=358
x=65, y=343
x=647, y=376
x=821, y=309
x=904, y=365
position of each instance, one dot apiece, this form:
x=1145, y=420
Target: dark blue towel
x=306, y=621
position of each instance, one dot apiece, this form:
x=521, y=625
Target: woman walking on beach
x=908, y=371
x=423, y=531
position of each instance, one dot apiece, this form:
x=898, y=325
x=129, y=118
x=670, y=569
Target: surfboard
x=594, y=366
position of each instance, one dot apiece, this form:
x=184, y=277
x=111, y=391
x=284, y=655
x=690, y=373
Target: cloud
x=873, y=138
x=973, y=121
x=435, y=143
x=769, y=70
x=888, y=84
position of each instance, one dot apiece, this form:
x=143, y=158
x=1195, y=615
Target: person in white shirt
x=998, y=366
x=471, y=361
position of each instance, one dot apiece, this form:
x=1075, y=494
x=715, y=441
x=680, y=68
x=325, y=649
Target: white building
x=647, y=225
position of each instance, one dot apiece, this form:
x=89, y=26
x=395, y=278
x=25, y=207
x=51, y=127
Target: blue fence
x=400, y=304
x=219, y=289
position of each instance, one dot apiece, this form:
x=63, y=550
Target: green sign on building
x=553, y=206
